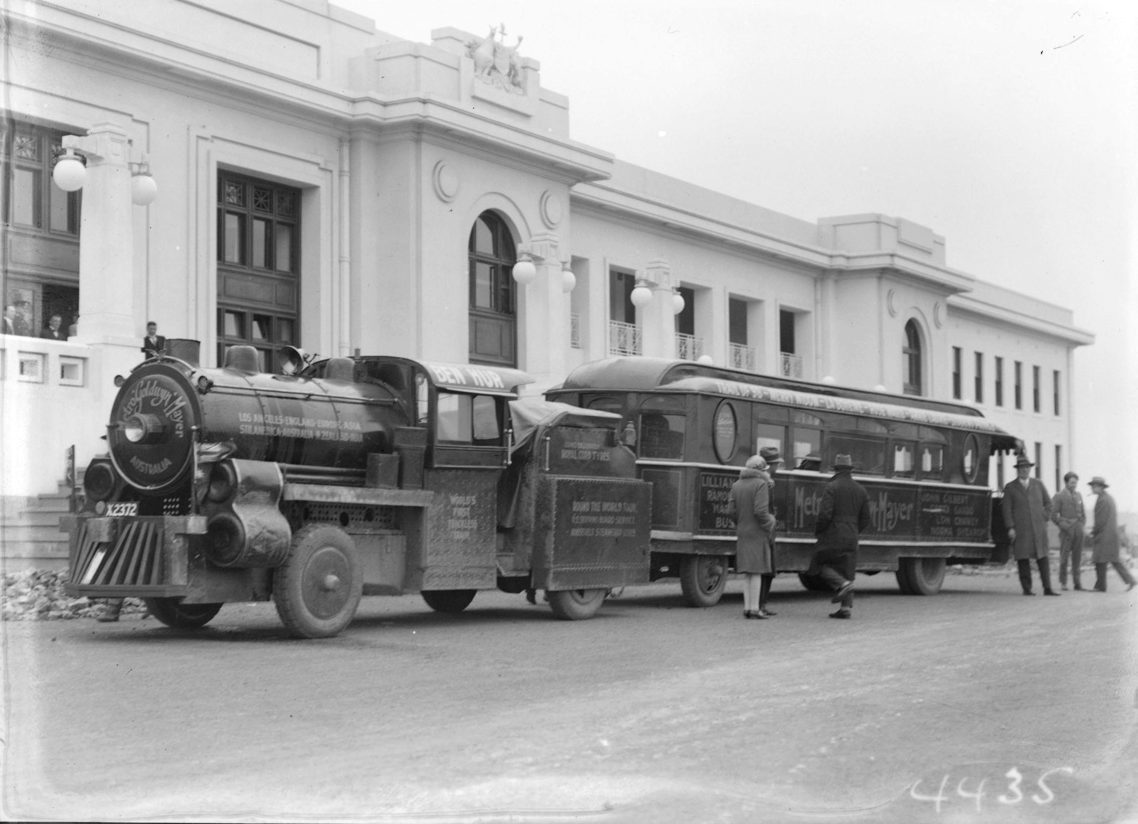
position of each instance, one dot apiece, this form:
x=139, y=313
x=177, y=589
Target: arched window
x=493, y=323
x=911, y=353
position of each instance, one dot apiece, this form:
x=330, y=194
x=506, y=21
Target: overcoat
x=749, y=504
x=842, y=515
x=1104, y=534
x=1026, y=511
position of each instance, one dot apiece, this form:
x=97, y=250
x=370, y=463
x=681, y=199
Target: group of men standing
x=1027, y=508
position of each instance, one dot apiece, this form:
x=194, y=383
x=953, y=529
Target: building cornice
x=966, y=304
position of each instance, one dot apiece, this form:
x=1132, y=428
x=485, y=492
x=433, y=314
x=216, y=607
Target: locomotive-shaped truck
x=350, y=477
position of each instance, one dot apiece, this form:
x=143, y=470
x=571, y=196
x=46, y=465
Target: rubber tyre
x=576, y=604
x=814, y=583
x=318, y=588
x=920, y=576
x=703, y=578
x=453, y=601
x=173, y=613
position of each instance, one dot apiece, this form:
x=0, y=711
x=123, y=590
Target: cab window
x=469, y=419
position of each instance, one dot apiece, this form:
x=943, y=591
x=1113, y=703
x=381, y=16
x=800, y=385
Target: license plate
x=124, y=509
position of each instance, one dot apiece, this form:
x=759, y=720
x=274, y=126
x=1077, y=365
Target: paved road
x=974, y=705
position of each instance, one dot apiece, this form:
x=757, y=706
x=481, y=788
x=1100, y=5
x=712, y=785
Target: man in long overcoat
x=1026, y=506
x=1069, y=514
x=842, y=516
x=1104, y=534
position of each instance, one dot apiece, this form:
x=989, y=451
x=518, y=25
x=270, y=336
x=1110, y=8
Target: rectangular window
x=786, y=332
x=1058, y=467
x=1038, y=459
x=231, y=241
x=957, y=379
x=903, y=458
x=979, y=377
x=1035, y=389
x=868, y=455
x=1055, y=390
x=1019, y=385
x=999, y=381
x=770, y=434
x=737, y=321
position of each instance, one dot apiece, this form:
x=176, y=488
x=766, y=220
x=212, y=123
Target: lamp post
x=111, y=181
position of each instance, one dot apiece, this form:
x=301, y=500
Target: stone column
x=544, y=331
x=106, y=247
x=657, y=320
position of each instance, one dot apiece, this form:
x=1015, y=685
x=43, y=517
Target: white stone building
x=322, y=183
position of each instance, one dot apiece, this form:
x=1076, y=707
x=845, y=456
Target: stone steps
x=29, y=531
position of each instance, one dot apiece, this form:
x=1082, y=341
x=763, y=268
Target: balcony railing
x=743, y=357
x=688, y=347
x=790, y=365
x=624, y=338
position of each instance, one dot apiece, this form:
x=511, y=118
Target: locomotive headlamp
x=222, y=483
x=144, y=428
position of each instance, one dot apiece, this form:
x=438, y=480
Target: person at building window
x=1069, y=514
x=10, y=319
x=1104, y=536
x=843, y=515
x=1026, y=506
x=54, y=330
x=748, y=504
x=153, y=344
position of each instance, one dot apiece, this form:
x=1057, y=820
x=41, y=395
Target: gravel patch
x=37, y=595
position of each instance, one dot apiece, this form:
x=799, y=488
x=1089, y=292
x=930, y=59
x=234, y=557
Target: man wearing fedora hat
x=842, y=515
x=1104, y=536
x=1026, y=506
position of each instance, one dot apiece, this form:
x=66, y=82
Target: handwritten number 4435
x=1013, y=794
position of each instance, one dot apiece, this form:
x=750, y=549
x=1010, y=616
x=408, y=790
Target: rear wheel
x=576, y=604
x=319, y=587
x=173, y=613
x=448, y=600
x=920, y=576
x=703, y=579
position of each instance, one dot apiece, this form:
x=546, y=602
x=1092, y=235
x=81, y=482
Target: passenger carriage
x=924, y=464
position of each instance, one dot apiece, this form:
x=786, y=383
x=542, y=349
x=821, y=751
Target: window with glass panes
x=258, y=266
x=43, y=221
x=492, y=315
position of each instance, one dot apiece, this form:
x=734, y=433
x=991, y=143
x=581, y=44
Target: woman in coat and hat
x=1104, y=534
x=749, y=504
x=1026, y=507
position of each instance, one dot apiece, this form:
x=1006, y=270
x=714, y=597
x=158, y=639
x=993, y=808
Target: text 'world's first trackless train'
x=386, y=475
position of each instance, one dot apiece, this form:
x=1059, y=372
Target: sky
x=1009, y=127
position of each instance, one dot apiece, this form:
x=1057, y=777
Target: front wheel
x=173, y=613
x=319, y=587
x=448, y=600
x=920, y=576
x=576, y=604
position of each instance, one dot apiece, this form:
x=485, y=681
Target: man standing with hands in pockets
x=1025, y=507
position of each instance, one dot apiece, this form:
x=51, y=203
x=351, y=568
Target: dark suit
x=154, y=348
x=842, y=516
x=1026, y=509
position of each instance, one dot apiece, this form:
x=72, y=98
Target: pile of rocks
x=37, y=595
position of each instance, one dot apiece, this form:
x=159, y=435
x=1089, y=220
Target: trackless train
x=386, y=475
x=372, y=475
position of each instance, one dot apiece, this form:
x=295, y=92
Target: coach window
x=662, y=436
x=970, y=458
x=769, y=434
x=868, y=455
x=807, y=440
x=492, y=313
x=931, y=453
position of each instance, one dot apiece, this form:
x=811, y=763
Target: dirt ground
x=973, y=705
